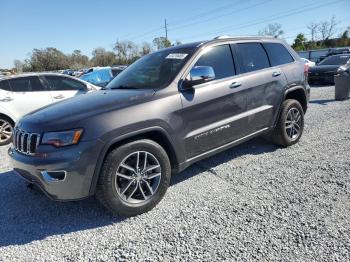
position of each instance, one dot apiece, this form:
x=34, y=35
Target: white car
x=22, y=94
x=308, y=62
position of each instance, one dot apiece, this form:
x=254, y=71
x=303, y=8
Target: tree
x=344, y=39
x=300, y=42
x=161, y=42
x=126, y=52
x=274, y=30
x=48, y=59
x=327, y=28
x=146, y=48
x=77, y=60
x=313, y=29
x=18, y=65
x=101, y=57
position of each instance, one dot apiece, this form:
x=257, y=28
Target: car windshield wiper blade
x=124, y=87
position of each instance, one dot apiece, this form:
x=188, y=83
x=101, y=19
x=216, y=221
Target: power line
x=292, y=12
x=179, y=22
x=220, y=16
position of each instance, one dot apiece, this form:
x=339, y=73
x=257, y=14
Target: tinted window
x=60, y=83
x=253, y=57
x=220, y=59
x=116, y=72
x=26, y=84
x=4, y=85
x=278, y=54
x=335, y=60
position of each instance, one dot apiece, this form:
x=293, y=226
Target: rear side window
x=26, y=84
x=4, y=85
x=278, y=54
x=59, y=83
x=220, y=59
x=252, y=57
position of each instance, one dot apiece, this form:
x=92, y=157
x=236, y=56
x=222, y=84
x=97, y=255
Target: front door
x=214, y=112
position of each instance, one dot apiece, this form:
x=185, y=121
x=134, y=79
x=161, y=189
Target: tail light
x=306, y=71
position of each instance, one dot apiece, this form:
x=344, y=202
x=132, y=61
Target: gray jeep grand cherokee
x=166, y=111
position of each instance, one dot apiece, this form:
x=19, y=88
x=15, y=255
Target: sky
x=85, y=25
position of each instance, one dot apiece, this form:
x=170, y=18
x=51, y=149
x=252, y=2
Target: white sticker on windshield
x=176, y=56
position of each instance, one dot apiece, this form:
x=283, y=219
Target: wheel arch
x=156, y=134
x=299, y=94
x=8, y=118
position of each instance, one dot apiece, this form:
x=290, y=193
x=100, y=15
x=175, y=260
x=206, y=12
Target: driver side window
x=220, y=59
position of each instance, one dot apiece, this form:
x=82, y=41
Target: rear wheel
x=6, y=128
x=134, y=178
x=290, y=125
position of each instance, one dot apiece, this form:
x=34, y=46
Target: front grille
x=26, y=143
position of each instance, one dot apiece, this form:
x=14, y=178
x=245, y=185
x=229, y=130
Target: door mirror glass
x=199, y=75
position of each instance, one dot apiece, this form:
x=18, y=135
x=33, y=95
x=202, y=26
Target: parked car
x=101, y=77
x=325, y=70
x=308, y=62
x=163, y=113
x=22, y=94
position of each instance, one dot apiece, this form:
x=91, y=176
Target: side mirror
x=199, y=75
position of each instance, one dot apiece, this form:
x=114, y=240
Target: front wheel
x=134, y=178
x=290, y=125
x=6, y=128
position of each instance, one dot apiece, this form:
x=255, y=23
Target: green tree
x=300, y=42
x=161, y=42
x=48, y=59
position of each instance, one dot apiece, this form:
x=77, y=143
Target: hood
x=323, y=68
x=80, y=107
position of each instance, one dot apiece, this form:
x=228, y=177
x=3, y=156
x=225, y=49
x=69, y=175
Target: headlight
x=63, y=138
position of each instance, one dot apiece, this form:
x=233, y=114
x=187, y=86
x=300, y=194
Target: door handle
x=274, y=74
x=58, y=97
x=235, y=85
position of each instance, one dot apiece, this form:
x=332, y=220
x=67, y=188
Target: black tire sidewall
x=287, y=105
x=112, y=199
x=10, y=140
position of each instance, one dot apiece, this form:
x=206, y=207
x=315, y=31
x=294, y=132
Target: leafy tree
x=300, y=42
x=146, y=48
x=18, y=65
x=126, y=52
x=101, y=57
x=161, y=42
x=274, y=30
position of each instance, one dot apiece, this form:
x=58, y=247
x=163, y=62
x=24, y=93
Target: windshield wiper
x=124, y=87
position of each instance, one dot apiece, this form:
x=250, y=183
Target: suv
x=22, y=94
x=164, y=112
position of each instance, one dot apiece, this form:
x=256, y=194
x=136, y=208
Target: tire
x=283, y=134
x=6, y=129
x=129, y=193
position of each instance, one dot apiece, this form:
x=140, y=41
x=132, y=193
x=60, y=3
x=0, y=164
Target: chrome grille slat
x=25, y=142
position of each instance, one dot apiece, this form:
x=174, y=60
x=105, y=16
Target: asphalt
x=254, y=202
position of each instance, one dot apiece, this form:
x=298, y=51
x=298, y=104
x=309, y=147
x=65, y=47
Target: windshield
x=155, y=70
x=335, y=60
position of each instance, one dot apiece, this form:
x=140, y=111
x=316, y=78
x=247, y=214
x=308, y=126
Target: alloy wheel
x=293, y=123
x=5, y=131
x=138, y=177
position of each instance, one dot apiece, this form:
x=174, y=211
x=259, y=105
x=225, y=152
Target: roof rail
x=243, y=36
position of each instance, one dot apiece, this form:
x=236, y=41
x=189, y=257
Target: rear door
x=27, y=94
x=64, y=87
x=281, y=58
x=265, y=85
x=214, y=112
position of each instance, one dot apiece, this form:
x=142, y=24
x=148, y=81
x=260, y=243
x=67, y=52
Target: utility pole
x=166, y=29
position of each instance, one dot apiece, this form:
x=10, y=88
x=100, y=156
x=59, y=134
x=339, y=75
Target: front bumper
x=77, y=162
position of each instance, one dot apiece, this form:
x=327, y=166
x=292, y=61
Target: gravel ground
x=253, y=202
